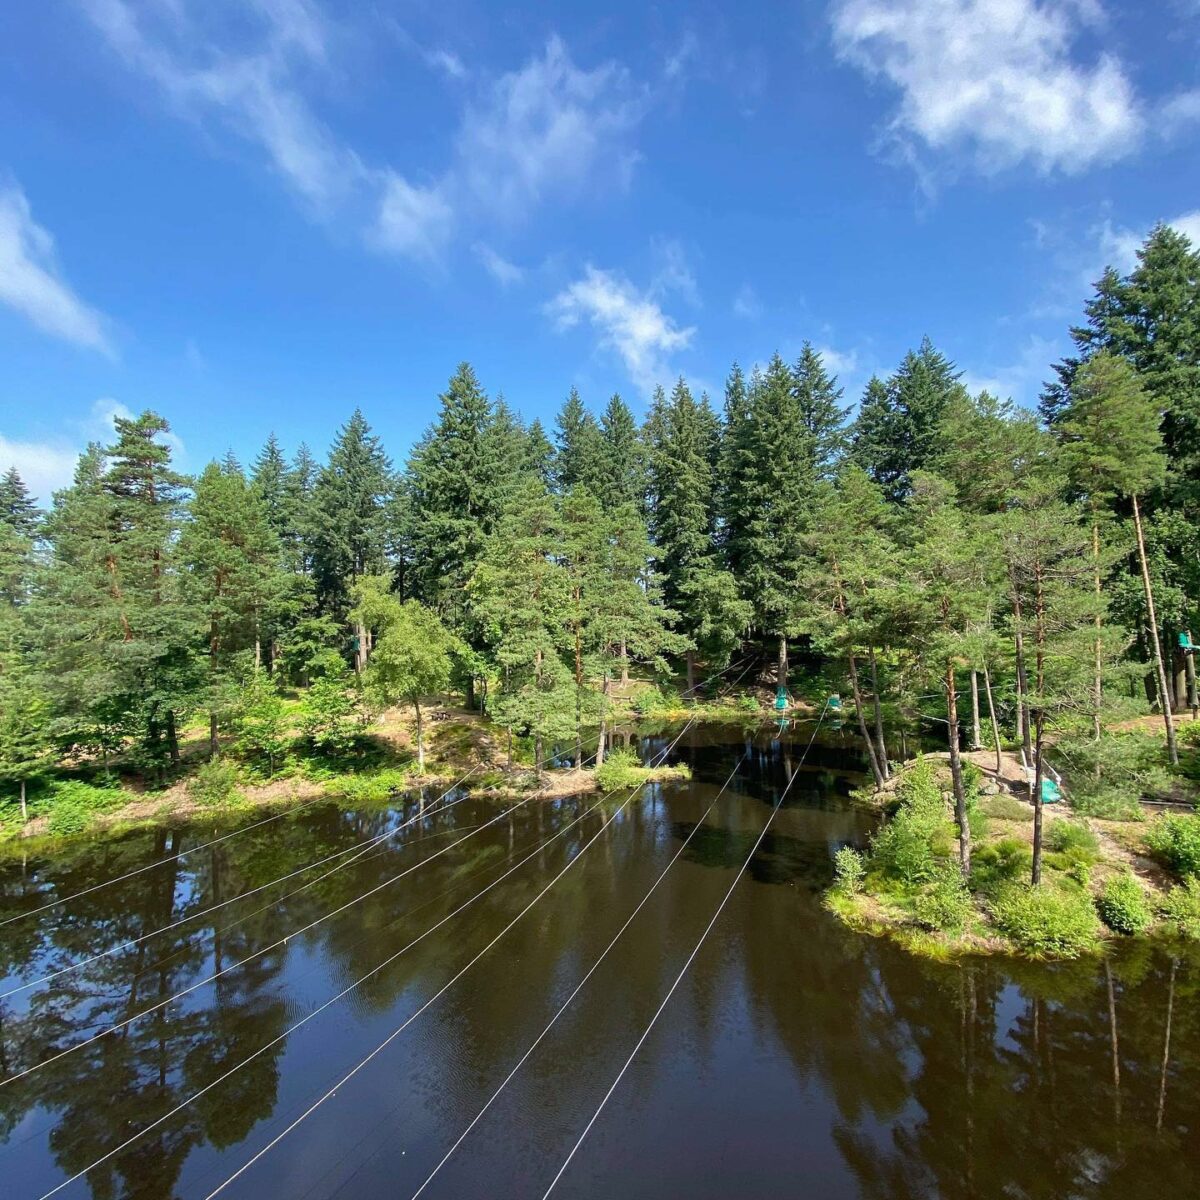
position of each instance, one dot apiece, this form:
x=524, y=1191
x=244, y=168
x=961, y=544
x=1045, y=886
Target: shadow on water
x=796, y=1057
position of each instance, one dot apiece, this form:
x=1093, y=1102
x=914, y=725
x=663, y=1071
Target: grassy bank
x=1100, y=879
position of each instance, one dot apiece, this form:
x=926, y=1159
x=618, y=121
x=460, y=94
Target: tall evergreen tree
x=622, y=480
x=821, y=411
x=17, y=508
x=580, y=460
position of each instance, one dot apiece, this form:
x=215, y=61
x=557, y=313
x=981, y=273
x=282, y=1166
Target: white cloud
x=1022, y=380
x=673, y=272
x=1181, y=111
x=993, y=78
x=839, y=362
x=30, y=280
x=505, y=273
x=416, y=221
x=746, y=303
x=48, y=465
x=1189, y=225
x=549, y=128
x=629, y=322
x=447, y=62
x=1117, y=245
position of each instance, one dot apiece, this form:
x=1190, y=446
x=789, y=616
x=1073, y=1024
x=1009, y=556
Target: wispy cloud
x=549, y=128
x=31, y=282
x=497, y=266
x=993, y=79
x=746, y=303
x=1021, y=380
x=629, y=322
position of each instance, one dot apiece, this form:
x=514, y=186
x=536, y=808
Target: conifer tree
x=17, y=508
x=580, y=460
x=822, y=415
x=622, y=480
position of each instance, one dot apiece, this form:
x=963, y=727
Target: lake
x=795, y=1058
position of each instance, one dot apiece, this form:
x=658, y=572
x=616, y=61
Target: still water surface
x=795, y=1059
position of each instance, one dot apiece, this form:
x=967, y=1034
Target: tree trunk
x=624, y=661
x=1023, y=730
x=1166, y=1054
x=1192, y=699
x=976, y=734
x=880, y=743
x=690, y=659
x=360, y=655
x=1037, y=802
x=420, y=739
x=782, y=672
x=1155, y=640
x=214, y=644
x=1098, y=644
x=600, y=746
x=578, y=696
x=24, y=806
x=987, y=686
x=862, y=722
x=214, y=742
x=956, y=773
x=172, y=738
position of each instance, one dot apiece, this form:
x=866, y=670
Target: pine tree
x=17, y=508
x=897, y=430
x=348, y=507
x=539, y=453
x=580, y=460
x=821, y=413
x=623, y=477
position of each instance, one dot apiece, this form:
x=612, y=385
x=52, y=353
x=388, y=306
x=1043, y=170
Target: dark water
x=795, y=1059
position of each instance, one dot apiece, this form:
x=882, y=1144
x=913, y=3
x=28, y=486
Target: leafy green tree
x=332, y=717
x=24, y=734
x=260, y=721
x=412, y=661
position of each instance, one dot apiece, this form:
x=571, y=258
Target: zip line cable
x=356, y=851
x=580, y=985
x=266, y=821
x=688, y=961
x=362, y=979
x=257, y=953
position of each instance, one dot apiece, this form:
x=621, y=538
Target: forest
x=955, y=566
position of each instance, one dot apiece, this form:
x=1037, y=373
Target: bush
x=1123, y=906
x=1009, y=860
x=73, y=804
x=1047, y=922
x=1073, y=848
x=373, y=788
x=1006, y=808
x=215, y=784
x=944, y=904
x=748, y=703
x=1181, y=908
x=1175, y=839
x=910, y=848
x=1106, y=778
x=849, y=870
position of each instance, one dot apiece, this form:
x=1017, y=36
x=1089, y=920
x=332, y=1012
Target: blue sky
x=256, y=215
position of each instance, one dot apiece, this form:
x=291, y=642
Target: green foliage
x=1180, y=908
x=260, y=723
x=1174, y=838
x=372, y=788
x=944, y=904
x=621, y=769
x=72, y=805
x=910, y=847
x=1046, y=921
x=332, y=716
x=215, y=784
x=849, y=870
x=1107, y=777
x=1073, y=838
x=999, y=863
x=1123, y=905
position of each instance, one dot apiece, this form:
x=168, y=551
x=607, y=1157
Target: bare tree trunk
x=956, y=774
x=987, y=685
x=420, y=739
x=880, y=743
x=1192, y=699
x=782, y=670
x=1023, y=726
x=1037, y=801
x=862, y=722
x=1114, y=1042
x=172, y=738
x=600, y=747
x=1166, y=1054
x=976, y=736
x=1155, y=640
x=624, y=661
x=24, y=806
x=1098, y=644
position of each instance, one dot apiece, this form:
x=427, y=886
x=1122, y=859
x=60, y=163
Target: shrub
x=1008, y=860
x=214, y=784
x=1105, y=778
x=849, y=870
x=648, y=702
x=1006, y=808
x=1175, y=839
x=1073, y=837
x=333, y=716
x=1047, y=922
x=373, y=788
x=944, y=904
x=1123, y=906
x=910, y=847
x=1181, y=908
x=73, y=805
x=621, y=769
x=748, y=703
